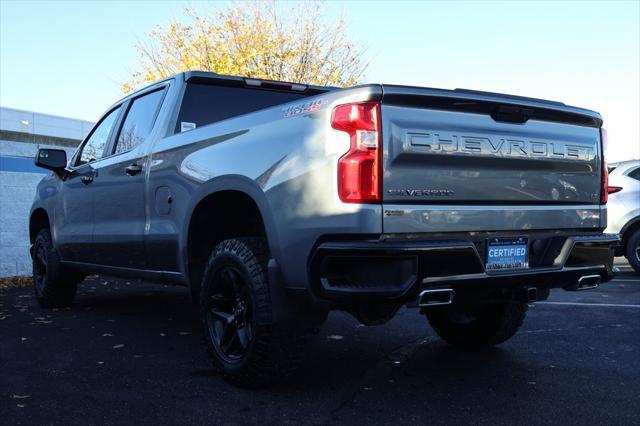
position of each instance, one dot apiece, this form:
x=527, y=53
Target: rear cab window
x=139, y=121
x=204, y=104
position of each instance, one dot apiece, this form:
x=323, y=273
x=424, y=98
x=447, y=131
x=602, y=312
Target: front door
x=119, y=192
x=75, y=209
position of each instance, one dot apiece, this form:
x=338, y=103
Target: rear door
x=455, y=161
x=119, y=188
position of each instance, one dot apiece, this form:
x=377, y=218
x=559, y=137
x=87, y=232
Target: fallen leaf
x=107, y=335
x=118, y=346
x=15, y=282
x=23, y=339
x=100, y=362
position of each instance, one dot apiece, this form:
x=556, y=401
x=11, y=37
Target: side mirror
x=52, y=159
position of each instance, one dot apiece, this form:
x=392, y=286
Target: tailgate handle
x=511, y=114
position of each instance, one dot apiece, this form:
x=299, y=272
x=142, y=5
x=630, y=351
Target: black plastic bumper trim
x=455, y=263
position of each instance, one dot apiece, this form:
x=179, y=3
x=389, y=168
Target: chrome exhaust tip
x=586, y=282
x=436, y=297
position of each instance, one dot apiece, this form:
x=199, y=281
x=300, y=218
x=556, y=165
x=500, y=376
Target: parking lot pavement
x=129, y=351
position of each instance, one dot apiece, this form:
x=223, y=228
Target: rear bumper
x=384, y=270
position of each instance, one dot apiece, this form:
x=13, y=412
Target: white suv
x=623, y=208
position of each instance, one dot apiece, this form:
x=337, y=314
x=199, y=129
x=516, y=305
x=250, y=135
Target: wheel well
x=627, y=233
x=39, y=220
x=219, y=216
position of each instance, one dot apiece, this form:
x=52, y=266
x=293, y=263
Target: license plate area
x=507, y=254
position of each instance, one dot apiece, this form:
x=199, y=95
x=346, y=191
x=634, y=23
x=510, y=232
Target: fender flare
x=238, y=183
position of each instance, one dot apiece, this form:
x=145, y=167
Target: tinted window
x=139, y=121
x=205, y=104
x=94, y=148
x=635, y=174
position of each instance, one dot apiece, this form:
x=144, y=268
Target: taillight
x=359, y=174
x=604, y=180
x=613, y=189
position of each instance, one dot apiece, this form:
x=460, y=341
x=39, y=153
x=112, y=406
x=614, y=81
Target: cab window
x=139, y=121
x=204, y=104
x=94, y=148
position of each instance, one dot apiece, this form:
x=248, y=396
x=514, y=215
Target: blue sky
x=69, y=58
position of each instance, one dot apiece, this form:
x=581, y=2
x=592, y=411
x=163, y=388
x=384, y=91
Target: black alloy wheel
x=54, y=285
x=229, y=313
x=246, y=345
x=39, y=268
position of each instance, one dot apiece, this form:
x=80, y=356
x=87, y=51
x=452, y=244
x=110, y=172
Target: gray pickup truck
x=275, y=203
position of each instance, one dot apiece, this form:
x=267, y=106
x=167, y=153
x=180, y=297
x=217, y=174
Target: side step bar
x=436, y=297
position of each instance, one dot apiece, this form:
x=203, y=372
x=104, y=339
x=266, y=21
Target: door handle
x=87, y=179
x=133, y=169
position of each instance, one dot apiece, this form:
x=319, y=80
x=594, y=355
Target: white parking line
x=614, y=305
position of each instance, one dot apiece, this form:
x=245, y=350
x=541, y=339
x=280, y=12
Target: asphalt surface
x=131, y=352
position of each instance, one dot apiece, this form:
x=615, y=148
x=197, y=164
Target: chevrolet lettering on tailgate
x=495, y=146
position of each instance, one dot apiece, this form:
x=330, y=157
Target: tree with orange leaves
x=286, y=42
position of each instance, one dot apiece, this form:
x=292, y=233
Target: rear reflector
x=613, y=189
x=359, y=176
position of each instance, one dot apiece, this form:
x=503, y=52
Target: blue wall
x=19, y=164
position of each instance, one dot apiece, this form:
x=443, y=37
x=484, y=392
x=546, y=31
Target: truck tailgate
x=459, y=160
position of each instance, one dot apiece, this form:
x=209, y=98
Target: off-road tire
x=54, y=285
x=477, y=326
x=631, y=253
x=272, y=354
